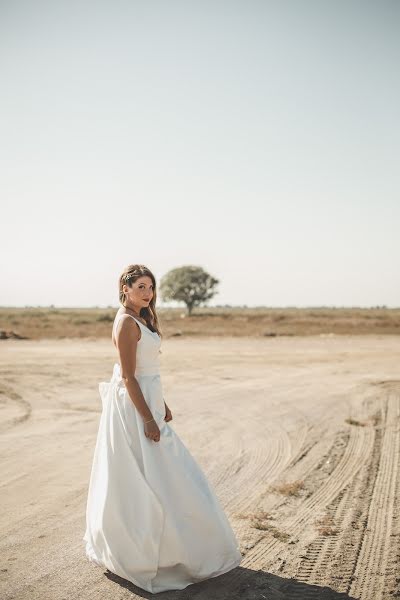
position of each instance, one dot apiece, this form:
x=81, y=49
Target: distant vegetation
x=190, y=284
x=50, y=322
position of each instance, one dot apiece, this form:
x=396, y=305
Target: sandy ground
x=256, y=413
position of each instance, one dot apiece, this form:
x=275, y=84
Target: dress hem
x=92, y=558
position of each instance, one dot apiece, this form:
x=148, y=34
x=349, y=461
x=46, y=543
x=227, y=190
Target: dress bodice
x=148, y=348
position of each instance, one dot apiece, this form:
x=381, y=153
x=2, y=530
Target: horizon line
x=258, y=306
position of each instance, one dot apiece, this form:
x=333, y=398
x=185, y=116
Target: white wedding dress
x=151, y=517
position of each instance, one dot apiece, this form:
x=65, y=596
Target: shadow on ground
x=240, y=584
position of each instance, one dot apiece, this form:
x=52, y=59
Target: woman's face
x=141, y=292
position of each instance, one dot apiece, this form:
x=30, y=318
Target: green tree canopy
x=189, y=284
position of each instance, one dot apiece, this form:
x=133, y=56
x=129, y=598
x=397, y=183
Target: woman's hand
x=168, y=414
x=152, y=431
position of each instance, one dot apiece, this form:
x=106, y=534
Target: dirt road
x=299, y=436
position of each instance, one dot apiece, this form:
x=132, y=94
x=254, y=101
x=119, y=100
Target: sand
x=320, y=414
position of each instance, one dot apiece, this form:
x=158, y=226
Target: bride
x=151, y=516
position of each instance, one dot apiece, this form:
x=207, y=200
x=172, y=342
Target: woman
x=151, y=516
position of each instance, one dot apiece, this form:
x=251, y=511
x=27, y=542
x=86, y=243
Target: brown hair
x=130, y=274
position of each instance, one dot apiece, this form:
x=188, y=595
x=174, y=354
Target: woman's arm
x=168, y=414
x=127, y=337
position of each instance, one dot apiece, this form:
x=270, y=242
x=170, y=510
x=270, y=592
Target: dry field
x=59, y=323
x=300, y=437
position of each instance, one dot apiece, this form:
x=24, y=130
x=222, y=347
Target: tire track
x=68, y=407
x=356, y=454
x=361, y=557
x=371, y=568
x=230, y=470
x=243, y=480
x=265, y=465
x=392, y=586
x=7, y=394
x=331, y=560
x=265, y=461
x=273, y=457
x=250, y=536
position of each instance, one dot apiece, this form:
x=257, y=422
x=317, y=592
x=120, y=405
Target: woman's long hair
x=130, y=274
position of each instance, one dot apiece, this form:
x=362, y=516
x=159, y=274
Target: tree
x=189, y=284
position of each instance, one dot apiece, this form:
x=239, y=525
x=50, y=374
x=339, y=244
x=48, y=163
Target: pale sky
x=257, y=139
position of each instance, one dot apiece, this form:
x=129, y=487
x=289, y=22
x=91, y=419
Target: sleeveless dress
x=151, y=516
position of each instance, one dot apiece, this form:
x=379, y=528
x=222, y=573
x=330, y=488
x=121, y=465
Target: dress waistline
x=148, y=371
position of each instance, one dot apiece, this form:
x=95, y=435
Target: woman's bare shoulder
x=126, y=323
